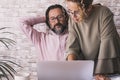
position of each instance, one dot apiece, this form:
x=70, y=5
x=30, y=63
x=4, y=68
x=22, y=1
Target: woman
x=93, y=36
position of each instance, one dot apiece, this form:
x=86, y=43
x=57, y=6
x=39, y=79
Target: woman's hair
x=54, y=7
x=82, y=3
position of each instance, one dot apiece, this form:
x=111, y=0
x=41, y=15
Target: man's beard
x=58, y=28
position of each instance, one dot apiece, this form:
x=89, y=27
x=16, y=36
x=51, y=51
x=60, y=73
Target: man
x=51, y=45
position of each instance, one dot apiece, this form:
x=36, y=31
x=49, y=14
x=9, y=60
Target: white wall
x=11, y=10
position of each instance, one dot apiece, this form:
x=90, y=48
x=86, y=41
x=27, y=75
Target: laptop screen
x=65, y=70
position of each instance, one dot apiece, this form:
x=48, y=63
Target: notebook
x=65, y=70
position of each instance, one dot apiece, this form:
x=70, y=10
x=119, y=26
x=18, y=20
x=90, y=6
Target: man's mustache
x=58, y=24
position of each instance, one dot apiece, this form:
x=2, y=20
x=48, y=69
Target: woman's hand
x=71, y=57
x=101, y=77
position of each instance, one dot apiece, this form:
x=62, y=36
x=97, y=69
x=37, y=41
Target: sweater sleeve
x=72, y=46
x=108, y=60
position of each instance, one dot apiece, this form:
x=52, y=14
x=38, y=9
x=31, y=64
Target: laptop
x=65, y=70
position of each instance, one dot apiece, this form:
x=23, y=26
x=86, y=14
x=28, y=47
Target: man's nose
x=57, y=20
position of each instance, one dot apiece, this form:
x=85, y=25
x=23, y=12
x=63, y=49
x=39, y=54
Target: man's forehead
x=55, y=11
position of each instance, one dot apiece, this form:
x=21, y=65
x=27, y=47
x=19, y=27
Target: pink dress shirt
x=50, y=46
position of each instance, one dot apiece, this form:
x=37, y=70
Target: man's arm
x=32, y=20
x=26, y=25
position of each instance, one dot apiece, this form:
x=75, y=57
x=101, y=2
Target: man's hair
x=53, y=7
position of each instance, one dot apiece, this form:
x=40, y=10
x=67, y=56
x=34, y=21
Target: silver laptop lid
x=65, y=70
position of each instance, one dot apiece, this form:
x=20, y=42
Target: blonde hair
x=83, y=6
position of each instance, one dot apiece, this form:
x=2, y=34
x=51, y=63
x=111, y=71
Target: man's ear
x=49, y=25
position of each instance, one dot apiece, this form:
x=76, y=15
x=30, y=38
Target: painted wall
x=24, y=51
